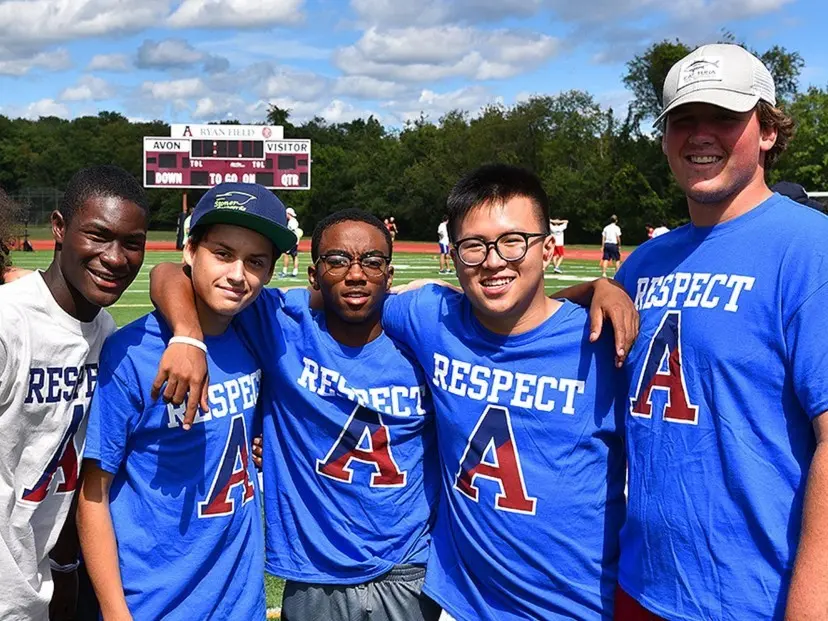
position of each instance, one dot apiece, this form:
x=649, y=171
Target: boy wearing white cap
x=726, y=437
x=293, y=253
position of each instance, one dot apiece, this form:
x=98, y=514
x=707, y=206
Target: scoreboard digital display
x=202, y=156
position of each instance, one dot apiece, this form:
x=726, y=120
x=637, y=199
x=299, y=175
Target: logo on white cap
x=703, y=69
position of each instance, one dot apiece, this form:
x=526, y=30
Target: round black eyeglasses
x=511, y=246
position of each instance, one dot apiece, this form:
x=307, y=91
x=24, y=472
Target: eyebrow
x=97, y=227
x=340, y=251
x=234, y=251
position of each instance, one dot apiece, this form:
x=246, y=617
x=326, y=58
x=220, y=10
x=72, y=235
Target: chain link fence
x=37, y=204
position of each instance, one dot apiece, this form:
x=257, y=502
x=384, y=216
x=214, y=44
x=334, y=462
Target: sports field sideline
x=408, y=266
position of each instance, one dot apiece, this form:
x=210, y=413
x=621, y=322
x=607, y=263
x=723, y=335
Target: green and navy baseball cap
x=248, y=205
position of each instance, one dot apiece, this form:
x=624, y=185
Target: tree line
x=592, y=163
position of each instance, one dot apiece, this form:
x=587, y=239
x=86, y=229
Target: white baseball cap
x=721, y=74
x=289, y=211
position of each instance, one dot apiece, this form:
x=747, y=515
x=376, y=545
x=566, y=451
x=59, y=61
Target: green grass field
x=135, y=302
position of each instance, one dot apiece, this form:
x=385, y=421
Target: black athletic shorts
x=611, y=252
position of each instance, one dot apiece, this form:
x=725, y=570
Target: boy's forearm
x=171, y=291
x=99, y=547
x=581, y=294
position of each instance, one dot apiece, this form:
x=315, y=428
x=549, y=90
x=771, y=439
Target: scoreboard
x=202, y=156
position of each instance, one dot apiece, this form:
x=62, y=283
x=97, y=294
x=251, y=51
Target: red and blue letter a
x=65, y=459
x=493, y=438
x=663, y=371
x=363, y=439
x=232, y=472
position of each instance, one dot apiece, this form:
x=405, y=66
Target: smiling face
x=505, y=295
x=717, y=156
x=102, y=247
x=354, y=297
x=230, y=265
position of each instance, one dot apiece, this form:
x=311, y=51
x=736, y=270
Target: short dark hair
x=104, y=181
x=495, y=183
x=352, y=214
x=772, y=117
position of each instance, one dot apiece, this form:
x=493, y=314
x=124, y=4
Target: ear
x=313, y=277
x=189, y=254
x=389, y=278
x=767, y=137
x=664, y=138
x=548, y=250
x=58, y=226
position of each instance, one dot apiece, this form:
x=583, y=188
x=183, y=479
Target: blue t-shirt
x=532, y=460
x=350, y=471
x=729, y=369
x=183, y=503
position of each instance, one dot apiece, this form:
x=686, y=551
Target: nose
x=113, y=257
x=702, y=132
x=235, y=271
x=355, y=272
x=493, y=260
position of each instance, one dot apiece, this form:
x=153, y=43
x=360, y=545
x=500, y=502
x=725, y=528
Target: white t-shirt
x=442, y=233
x=660, y=230
x=611, y=233
x=557, y=233
x=48, y=370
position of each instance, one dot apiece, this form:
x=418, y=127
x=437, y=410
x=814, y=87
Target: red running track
x=399, y=246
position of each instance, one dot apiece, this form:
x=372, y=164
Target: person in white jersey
x=443, y=240
x=611, y=244
x=52, y=328
x=660, y=230
x=557, y=228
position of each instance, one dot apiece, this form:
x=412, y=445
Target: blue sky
x=210, y=60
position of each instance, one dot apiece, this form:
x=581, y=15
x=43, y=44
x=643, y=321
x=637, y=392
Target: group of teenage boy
x=437, y=453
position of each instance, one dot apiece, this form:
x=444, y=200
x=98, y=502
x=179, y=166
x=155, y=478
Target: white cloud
x=299, y=86
x=236, y=13
x=211, y=109
x=172, y=90
x=425, y=54
x=363, y=87
x=88, y=88
x=167, y=53
x=44, y=107
x=35, y=22
x=55, y=60
x=432, y=104
x=108, y=62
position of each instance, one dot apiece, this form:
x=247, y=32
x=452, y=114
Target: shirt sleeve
x=396, y=316
x=116, y=407
x=258, y=325
x=808, y=354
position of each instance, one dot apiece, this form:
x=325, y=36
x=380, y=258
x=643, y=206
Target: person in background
x=392, y=228
x=649, y=228
x=557, y=228
x=292, y=255
x=443, y=241
x=796, y=192
x=661, y=230
x=611, y=246
x=9, y=210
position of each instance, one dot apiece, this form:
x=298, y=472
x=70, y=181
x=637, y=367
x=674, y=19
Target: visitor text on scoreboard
x=201, y=156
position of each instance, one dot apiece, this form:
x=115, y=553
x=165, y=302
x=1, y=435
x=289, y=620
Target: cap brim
x=729, y=100
x=282, y=237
